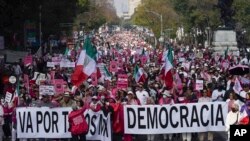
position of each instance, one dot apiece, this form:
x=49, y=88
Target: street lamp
x=159, y=16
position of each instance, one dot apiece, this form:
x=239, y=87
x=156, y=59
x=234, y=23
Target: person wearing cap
x=141, y=94
x=131, y=99
x=95, y=104
x=66, y=101
x=166, y=99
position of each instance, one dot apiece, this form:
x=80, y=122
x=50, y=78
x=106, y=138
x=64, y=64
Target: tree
x=95, y=14
x=145, y=16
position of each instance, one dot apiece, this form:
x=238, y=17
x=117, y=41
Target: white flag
x=237, y=87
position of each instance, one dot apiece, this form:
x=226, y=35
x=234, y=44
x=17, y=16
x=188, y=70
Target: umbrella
x=239, y=70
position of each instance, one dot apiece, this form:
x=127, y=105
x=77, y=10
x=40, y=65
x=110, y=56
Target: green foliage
x=186, y=13
x=146, y=15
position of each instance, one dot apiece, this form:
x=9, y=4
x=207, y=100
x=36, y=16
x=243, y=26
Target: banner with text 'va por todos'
x=177, y=118
x=44, y=122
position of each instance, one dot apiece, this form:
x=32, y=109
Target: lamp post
x=159, y=16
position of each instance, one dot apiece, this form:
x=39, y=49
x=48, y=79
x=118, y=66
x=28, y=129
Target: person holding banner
x=131, y=99
x=66, y=101
x=166, y=99
x=77, y=124
x=205, y=98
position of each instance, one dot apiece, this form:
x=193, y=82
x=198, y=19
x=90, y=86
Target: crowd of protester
x=196, y=63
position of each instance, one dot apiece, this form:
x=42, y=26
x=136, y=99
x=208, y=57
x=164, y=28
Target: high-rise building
x=132, y=5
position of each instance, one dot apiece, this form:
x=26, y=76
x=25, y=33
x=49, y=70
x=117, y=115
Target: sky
x=121, y=6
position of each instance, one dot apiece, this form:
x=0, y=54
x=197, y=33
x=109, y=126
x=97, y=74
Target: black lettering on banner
x=194, y=117
x=65, y=114
x=212, y=114
x=184, y=115
x=46, y=119
x=87, y=118
x=39, y=119
x=152, y=120
x=131, y=124
x=201, y=114
x=173, y=108
x=29, y=123
x=93, y=124
x=22, y=121
x=54, y=121
x=219, y=115
x=103, y=130
x=163, y=109
x=140, y=118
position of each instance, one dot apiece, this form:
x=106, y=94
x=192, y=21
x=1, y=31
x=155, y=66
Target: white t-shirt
x=218, y=96
x=142, y=96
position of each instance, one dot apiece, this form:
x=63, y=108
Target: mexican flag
x=168, y=78
x=107, y=74
x=86, y=64
x=139, y=75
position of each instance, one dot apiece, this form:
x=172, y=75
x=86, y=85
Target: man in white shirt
x=141, y=94
x=218, y=94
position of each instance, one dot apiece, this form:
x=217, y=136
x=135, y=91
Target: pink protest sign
x=58, y=85
x=122, y=81
x=94, y=79
x=28, y=60
x=26, y=80
x=143, y=59
x=113, y=66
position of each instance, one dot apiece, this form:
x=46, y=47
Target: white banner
x=50, y=64
x=47, y=122
x=178, y=118
x=46, y=90
x=99, y=126
x=64, y=64
x=8, y=97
